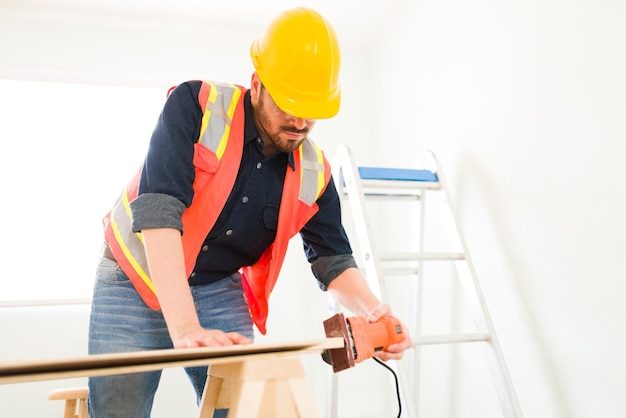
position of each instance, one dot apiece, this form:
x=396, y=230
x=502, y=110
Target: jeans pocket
x=234, y=280
x=110, y=273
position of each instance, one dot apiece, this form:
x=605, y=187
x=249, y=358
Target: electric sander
x=361, y=339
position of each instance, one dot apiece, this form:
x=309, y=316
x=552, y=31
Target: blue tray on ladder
x=403, y=174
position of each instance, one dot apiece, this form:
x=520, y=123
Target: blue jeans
x=121, y=322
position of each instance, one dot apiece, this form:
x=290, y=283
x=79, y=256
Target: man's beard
x=283, y=145
x=286, y=145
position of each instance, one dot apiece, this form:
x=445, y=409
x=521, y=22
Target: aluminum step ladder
x=356, y=186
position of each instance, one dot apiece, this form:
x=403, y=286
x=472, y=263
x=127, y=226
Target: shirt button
x=205, y=248
x=229, y=232
x=258, y=165
x=244, y=199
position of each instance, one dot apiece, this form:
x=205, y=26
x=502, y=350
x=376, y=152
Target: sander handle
x=369, y=337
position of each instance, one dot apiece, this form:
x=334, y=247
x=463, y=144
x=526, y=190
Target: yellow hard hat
x=297, y=58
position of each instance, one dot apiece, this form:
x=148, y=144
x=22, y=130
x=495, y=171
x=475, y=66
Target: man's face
x=284, y=131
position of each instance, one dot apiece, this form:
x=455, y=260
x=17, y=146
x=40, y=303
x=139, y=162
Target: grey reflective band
x=311, y=169
x=218, y=118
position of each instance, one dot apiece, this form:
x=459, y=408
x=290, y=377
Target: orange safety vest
x=217, y=155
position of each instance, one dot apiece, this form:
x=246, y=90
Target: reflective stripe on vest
x=221, y=101
x=312, y=172
x=130, y=243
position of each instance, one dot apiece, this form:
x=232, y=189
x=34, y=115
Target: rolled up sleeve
x=326, y=269
x=156, y=210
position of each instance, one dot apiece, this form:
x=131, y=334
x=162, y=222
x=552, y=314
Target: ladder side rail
x=494, y=356
x=350, y=180
x=468, y=278
x=418, y=290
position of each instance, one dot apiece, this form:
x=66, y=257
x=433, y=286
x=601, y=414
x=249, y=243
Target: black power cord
x=395, y=377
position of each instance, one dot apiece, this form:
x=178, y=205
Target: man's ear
x=255, y=87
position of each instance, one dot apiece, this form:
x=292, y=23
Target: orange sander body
x=361, y=338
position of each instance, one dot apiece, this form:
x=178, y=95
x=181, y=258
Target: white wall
x=523, y=103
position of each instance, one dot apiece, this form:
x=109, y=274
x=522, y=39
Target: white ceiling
x=357, y=22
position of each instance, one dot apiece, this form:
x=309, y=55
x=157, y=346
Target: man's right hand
x=209, y=338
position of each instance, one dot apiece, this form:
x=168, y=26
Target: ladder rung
x=451, y=339
x=387, y=257
x=399, y=186
x=389, y=196
x=400, y=271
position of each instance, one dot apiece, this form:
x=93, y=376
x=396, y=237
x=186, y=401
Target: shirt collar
x=251, y=132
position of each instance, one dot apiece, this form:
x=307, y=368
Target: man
x=196, y=241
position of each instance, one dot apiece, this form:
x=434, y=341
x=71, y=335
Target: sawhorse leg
x=261, y=388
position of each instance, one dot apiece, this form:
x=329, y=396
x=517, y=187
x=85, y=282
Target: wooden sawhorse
x=260, y=388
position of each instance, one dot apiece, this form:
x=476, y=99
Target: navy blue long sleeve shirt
x=247, y=224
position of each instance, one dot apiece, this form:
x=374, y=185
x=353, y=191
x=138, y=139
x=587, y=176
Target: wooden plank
x=141, y=361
